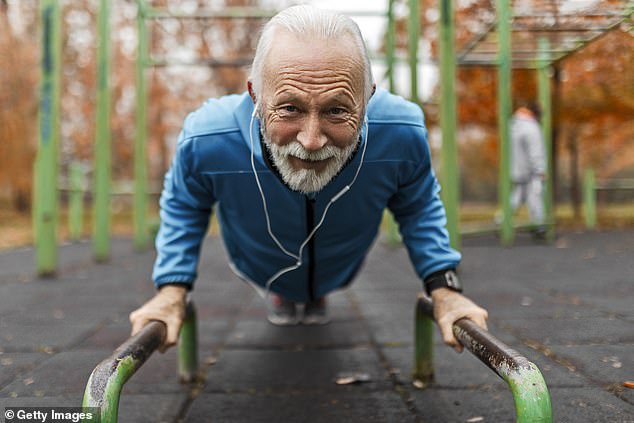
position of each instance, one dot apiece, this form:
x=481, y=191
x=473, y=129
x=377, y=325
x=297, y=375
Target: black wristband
x=446, y=278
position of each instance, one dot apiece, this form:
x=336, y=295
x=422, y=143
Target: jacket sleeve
x=421, y=215
x=186, y=203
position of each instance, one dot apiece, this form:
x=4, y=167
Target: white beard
x=308, y=180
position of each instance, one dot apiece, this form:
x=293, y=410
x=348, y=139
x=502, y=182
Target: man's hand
x=167, y=306
x=451, y=306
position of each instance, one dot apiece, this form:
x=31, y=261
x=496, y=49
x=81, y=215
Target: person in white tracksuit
x=528, y=163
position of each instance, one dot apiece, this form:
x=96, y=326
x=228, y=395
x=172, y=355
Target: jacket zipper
x=310, y=224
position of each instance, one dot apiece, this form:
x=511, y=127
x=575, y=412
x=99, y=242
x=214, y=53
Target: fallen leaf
x=211, y=360
x=475, y=419
x=347, y=378
x=629, y=384
x=419, y=384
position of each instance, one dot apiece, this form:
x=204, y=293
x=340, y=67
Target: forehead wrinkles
x=319, y=82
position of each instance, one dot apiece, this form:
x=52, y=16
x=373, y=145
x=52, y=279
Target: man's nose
x=311, y=137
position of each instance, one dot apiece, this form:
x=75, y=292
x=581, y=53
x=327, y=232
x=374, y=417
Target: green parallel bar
x=140, y=165
x=504, y=116
x=188, y=347
x=106, y=381
x=448, y=122
x=46, y=201
x=589, y=198
x=530, y=393
x=103, y=151
x=75, y=201
x=390, y=45
x=545, y=101
x=413, y=31
x=424, y=347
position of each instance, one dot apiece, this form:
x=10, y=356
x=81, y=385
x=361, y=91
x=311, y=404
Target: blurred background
x=592, y=86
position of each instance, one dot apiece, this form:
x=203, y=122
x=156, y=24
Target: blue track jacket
x=212, y=167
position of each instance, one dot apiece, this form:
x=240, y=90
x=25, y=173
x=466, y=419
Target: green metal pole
x=140, y=171
x=390, y=45
x=188, y=347
x=413, y=28
x=448, y=122
x=590, y=200
x=545, y=101
x=46, y=202
x=504, y=115
x=75, y=202
x=424, y=348
x=101, y=206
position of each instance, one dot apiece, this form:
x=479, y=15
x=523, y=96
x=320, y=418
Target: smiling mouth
x=308, y=163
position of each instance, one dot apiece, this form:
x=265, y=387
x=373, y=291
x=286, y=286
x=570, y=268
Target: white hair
x=309, y=21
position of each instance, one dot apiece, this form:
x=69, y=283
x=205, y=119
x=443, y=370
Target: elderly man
x=300, y=170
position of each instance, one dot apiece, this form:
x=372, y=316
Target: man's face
x=311, y=108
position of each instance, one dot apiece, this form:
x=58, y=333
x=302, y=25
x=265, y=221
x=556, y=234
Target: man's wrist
x=446, y=278
x=175, y=289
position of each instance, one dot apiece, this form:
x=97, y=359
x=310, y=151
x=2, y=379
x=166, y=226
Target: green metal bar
x=390, y=45
x=424, y=347
x=413, y=30
x=545, y=102
x=46, y=202
x=106, y=381
x=504, y=115
x=188, y=347
x=140, y=165
x=448, y=122
x=75, y=201
x=101, y=205
x=589, y=198
x=530, y=393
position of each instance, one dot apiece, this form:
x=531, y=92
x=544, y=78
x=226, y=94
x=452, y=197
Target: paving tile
x=62, y=374
x=571, y=331
x=300, y=407
x=277, y=371
x=262, y=334
x=572, y=405
x=603, y=364
x=11, y=365
x=52, y=335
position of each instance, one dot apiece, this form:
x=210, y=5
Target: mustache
x=296, y=149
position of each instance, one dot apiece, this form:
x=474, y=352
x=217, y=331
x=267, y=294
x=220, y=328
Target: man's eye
x=336, y=111
x=290, y=109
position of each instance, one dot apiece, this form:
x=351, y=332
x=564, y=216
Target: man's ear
x=252, y=92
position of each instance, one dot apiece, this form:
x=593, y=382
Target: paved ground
x=568, y=307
